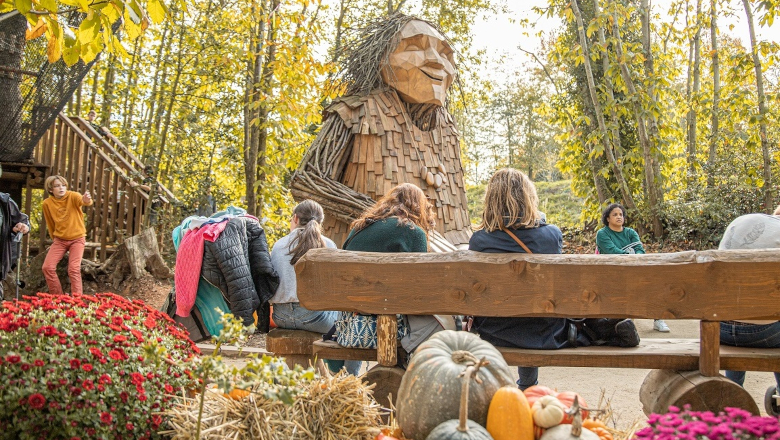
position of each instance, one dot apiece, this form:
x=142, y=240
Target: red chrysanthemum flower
x=13, y=358
x=115, y=355
x=87, y=367
x=36, y=401
x=75, y=364
x=106, y=418
x=120, y=338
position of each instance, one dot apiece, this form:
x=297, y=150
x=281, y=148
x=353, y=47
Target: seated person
x=511, y=222
x=615, y=238
x=752, y=231
x=305, y=233
x=399, y=222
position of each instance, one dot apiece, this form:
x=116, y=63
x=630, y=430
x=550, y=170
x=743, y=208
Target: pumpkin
x=462, y=428
x=429, y=391
x=237, y=394
x=598, y=427
x=566, y=398
x=548, y=411
x=573, y=431
x=509, y=416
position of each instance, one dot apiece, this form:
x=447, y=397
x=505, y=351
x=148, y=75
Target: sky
x=499, y=36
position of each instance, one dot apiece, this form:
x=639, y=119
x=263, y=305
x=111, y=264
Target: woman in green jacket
x=399, y=222
x=614, y=238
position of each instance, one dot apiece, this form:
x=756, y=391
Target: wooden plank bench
x=708, y=286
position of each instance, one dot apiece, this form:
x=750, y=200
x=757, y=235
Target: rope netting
x=32, y=90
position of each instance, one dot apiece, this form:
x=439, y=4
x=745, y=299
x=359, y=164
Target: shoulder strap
x=520, y=242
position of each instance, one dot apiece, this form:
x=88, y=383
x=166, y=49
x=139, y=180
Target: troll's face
x=421, y=68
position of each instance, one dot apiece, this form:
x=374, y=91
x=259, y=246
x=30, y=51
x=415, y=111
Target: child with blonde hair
x=65, y=222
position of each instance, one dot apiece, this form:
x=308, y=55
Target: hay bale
x=335, y=408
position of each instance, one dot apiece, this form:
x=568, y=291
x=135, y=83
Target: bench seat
x=669, y=354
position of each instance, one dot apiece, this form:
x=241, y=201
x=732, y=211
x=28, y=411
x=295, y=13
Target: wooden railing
x=102, y=165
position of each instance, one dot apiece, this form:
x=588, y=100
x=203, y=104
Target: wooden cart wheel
x=387, y=380
x=664, y=388
x=770, y=401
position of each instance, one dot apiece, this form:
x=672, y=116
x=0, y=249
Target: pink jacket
x=189, y=260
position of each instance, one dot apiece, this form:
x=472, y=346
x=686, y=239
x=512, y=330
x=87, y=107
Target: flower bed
x=74, y=367
x=731, y=424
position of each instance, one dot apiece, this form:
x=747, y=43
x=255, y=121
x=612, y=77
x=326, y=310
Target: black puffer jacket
x=239, y=264
x=11, y=216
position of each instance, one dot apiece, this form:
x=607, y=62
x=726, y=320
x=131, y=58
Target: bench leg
x=663, y=388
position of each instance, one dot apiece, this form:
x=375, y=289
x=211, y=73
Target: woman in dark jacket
x=399, y=222
x=511, y=222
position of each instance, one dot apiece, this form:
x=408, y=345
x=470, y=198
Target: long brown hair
x=407, y=202
x=310, y=216
x=510, y=201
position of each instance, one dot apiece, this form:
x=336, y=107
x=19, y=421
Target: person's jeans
x=529, y=376
x=296, y=317
x=751, y=336
x=75, y=249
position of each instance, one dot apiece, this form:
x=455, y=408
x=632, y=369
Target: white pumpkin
x=548, y=411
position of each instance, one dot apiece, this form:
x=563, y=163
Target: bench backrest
x=705, y=285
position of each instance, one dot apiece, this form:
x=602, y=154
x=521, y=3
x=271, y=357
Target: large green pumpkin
x=430, y=390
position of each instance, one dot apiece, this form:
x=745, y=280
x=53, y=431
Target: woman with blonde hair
x=511, y=222
x=399, y=222
x=305, y=233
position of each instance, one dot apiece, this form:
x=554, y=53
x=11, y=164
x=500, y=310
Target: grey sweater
x=280, y=259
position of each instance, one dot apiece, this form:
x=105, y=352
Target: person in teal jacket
x=615, y=238
x=399, y=222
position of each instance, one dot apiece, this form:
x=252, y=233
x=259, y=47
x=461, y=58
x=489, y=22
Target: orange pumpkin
x=237, y=394
x=566, y=397
x=509, y=415
x=388, y=434
x=598, y=427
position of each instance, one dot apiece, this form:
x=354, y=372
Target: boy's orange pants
x=57, y=250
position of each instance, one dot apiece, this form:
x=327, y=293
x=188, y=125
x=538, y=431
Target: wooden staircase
x=102, y=165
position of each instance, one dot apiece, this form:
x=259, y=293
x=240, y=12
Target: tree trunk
x=339, y=25
x=169, y=109
x=694, y=96
x=644, y=141
x=156, y=94
x=93, y=96
x=762, y=110
x=628, y=200
x=652, y=123
x=714, y=129
x=251, y=130
x=108, y=92
x=266, y=89
x=132, y=79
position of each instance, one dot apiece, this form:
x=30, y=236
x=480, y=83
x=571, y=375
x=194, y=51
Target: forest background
x=653, y=106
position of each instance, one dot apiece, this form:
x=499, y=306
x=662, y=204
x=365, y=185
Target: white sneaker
x=660, y=326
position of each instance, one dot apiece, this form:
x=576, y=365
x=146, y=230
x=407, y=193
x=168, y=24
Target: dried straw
x=607, y=415
x=332, y=408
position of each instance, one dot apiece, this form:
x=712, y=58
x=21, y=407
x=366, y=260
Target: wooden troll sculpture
x=391, y=127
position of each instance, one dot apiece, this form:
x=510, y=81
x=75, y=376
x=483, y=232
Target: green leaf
x=49, y=5
x=23, y=6
x=72, y=51
x=89, y=29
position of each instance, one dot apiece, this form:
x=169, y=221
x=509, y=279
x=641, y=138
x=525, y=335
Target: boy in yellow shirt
x=65, y=222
